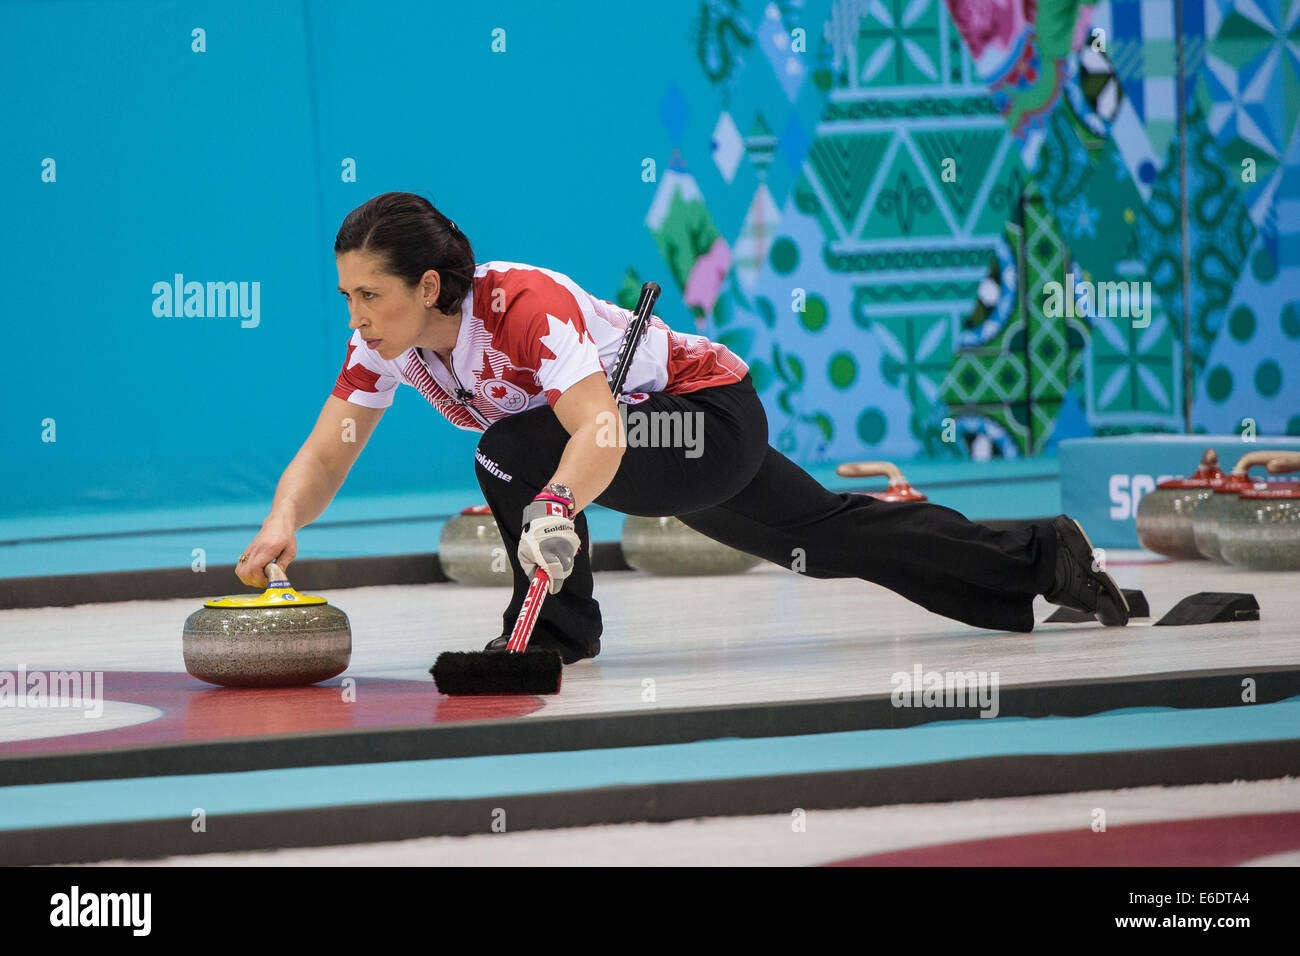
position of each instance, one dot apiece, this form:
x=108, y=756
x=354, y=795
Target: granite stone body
x=665, y=546
x=471, y=551
x=1261, y=531
x=267, y=646
x=1165, y=520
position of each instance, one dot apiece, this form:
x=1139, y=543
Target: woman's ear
x=431, y=286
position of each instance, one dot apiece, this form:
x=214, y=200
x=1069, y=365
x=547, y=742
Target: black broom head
x=498, y=672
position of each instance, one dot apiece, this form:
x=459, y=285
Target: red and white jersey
x=527, y=335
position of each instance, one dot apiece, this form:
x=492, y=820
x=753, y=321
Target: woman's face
x=388, y=315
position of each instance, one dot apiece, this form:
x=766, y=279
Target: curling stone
x=471, y=551
x=667, y=547
x=1209, y=513
x=1261, y=530
x=898, y=490
x=1164, y=516
x=279, y=638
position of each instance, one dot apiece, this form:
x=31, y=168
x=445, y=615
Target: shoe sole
x=1112, y=590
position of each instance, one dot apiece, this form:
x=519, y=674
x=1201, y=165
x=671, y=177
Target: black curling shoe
x=1076, y=584
x=543, y=642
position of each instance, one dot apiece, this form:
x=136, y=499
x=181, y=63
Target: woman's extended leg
x=929, y=554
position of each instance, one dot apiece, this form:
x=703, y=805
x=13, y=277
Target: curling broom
x=515, y=670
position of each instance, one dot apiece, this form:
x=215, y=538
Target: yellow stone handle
x=276, y=573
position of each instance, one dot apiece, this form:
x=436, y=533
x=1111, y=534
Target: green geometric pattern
x=1057, y=344
x=970, y=151
x=946, y=278
x=845, y=167
x=898, y=44
x=1250, y=90
x=909, y=203
x=917, y=352
x=1020, y=376
x=1136, y=374
x=874, y=181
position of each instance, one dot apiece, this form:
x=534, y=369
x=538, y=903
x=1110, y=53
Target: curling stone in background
x=279, y=638
x=1164, y=516
x=1258, y=527
x=1209, y=513
x=667, y=547
x=470, y=549
x=1261, y=529
x=898, y=489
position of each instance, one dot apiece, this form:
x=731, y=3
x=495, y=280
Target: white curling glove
x=548, y=540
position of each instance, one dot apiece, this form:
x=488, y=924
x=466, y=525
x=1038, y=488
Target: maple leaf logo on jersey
x=506, y=396
x=512, y=390
x=564, y=337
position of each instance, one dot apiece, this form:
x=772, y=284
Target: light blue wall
x=226, y=166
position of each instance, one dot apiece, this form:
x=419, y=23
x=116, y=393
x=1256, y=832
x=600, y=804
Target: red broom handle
x=532, y=606
x=538, y=589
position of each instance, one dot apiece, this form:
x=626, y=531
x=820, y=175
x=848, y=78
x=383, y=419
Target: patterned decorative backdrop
x=906, y=181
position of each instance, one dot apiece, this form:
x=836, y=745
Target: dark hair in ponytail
x=412, y=237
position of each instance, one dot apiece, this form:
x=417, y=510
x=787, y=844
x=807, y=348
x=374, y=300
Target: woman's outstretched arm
x=309, y=484
x=596, y=441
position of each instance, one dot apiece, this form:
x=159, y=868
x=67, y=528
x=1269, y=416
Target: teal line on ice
x=146, y=798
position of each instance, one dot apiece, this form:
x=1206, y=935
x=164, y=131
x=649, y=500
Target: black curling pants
x=735, y=488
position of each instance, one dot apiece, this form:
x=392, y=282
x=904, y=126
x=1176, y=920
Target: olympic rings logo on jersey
x=506, y=396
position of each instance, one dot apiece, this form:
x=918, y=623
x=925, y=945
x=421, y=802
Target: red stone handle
x=1286, y=461
x=869, y=469
x=1278, y=462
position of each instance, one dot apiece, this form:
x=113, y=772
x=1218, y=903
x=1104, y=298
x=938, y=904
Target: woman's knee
x=515, y=442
